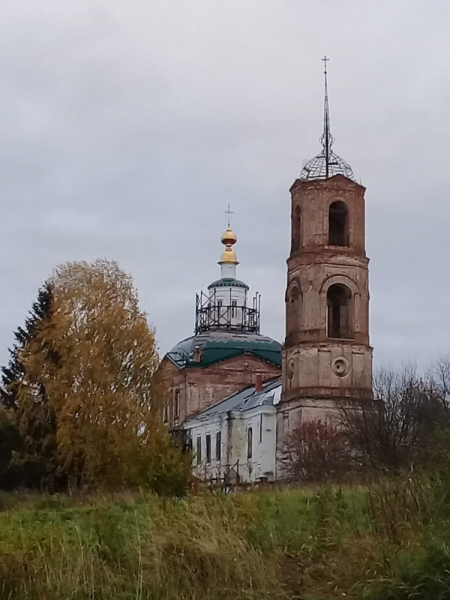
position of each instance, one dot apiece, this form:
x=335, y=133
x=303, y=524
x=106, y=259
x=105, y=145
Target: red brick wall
x=198, y=388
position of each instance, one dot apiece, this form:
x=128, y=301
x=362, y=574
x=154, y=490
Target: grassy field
x=386, y=542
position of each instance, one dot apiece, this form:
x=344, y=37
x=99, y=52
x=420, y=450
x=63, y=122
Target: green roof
x=217, y=346
x=228, y=282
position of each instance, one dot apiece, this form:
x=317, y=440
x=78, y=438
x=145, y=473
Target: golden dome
x=229, y=238
x=228, y=255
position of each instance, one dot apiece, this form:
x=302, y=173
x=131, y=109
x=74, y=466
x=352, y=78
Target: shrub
x=316, y=453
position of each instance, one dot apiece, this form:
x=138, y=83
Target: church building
x=227, y=351
x=326, y=358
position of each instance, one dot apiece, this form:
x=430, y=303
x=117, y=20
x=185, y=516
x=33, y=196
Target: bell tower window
x=296, y=229
x=294, y=311
x=338, y=224
x=339, y=306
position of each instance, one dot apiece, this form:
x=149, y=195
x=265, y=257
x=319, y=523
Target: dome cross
x=229, y=212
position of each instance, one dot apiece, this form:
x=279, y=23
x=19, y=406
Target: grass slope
x=388, y=542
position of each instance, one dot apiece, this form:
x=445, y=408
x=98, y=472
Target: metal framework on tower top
x=213, y=314
x=327, y=163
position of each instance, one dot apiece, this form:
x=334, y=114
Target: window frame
x=176, y=404
x=218, y=446
x=198, y=449
x=249, y=443
x=338, y=236
x=208, y=448
x=343, y=327
x=296, y=241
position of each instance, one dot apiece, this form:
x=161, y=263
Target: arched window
x=295, y=309
x=250, y=443
x=208, y=449
x=218, y=446
x=340, y=317
x=338, y=224
x=176, y=404
x=293, y=313
x=296, y=229
x=199, y=451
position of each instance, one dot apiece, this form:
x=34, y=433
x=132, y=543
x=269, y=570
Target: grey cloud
x=126, y=129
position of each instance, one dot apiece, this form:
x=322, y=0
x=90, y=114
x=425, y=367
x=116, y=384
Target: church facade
x=234, y=440
x=326, y=358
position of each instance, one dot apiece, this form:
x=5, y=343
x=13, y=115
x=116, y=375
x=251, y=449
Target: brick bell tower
x=327, y=355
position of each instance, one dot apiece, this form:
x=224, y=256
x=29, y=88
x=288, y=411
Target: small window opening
x=339, y=312
x=166, y=413
x=176, y=404
x=218, y=446
x=338, y=224
x=199, y=451
x=286, y=422
x=250, y=443
x=296, y=229
x=208, y=449
x=293, y=314
x=234, y=308
x=260, y=428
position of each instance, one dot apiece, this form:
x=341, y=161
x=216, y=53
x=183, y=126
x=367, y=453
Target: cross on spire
x=327, y=163
x=229, y=212
x=327, y=138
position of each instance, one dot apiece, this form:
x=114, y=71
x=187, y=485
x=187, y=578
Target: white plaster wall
x=234, y=456
x=228, y=294
x=228, y=271
x=215, y=470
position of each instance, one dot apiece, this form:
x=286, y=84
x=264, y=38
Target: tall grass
x=385, y=542
x=146, y=549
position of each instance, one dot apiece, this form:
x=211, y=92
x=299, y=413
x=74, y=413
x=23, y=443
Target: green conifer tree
x=10, y=442
x=34, y=417
x=13, y=375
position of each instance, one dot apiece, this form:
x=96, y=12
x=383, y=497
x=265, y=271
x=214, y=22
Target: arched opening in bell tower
x=338, y=224
x=296, y=229
x=339, y=308
x=293, y=314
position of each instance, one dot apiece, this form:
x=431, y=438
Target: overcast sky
x=127, y=127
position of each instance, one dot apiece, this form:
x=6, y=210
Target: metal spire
x=327, y=163
x=229, y=212
x=327, y=139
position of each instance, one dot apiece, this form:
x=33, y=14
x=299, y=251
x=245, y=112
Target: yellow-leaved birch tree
x=103, y=385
